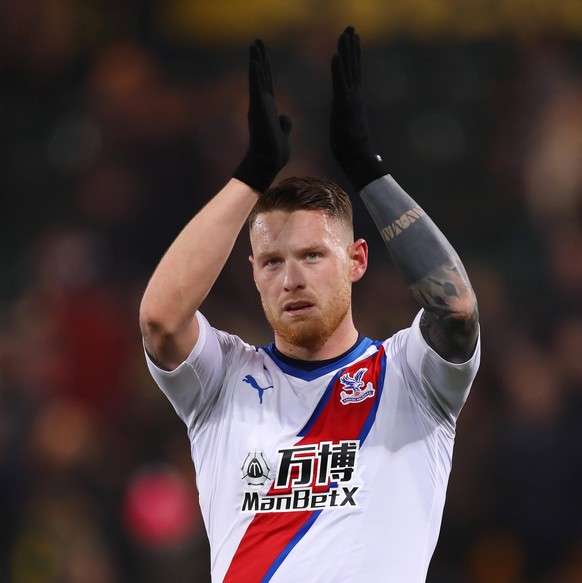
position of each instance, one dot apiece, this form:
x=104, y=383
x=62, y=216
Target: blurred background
x=119, y=119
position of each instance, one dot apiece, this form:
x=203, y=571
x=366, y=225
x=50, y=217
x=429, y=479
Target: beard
x=312, y=331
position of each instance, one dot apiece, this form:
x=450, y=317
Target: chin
x=309, y=332
x=304, y=334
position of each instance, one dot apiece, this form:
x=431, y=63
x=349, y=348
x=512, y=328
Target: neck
x=341, y=340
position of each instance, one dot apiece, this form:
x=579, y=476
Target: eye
x=312, y=255
x=272, y=262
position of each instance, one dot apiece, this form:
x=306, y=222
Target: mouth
x=298, y=308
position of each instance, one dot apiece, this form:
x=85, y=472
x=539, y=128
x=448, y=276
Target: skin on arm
x=188, y=271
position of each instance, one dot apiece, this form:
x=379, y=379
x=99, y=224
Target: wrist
x=363, y=168
x=256, y=173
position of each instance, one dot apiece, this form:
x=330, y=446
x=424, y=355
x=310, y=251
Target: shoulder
x=441, y=386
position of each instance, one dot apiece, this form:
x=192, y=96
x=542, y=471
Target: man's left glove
x=349, y=135
x=268, y=149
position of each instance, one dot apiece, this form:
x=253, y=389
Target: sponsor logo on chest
x=308, y=477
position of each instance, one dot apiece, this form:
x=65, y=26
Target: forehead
x=301, y=227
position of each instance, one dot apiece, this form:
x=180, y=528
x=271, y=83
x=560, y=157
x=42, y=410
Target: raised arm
x=427, y=261
x=191, y=265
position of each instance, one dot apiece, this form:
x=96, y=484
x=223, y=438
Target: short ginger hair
x=305, y=193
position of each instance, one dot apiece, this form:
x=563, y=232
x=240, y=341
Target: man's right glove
x=350, y=139
x=268, y=149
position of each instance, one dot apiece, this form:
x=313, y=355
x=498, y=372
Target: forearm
x=188, y=271
x=429, y=265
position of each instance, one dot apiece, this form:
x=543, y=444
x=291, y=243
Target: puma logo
x=252, y=381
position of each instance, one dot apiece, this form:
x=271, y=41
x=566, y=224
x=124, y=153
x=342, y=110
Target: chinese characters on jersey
x=309, y=477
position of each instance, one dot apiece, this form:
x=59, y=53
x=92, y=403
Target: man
x=324, y=457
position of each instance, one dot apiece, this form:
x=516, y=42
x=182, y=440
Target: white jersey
x=337, y=475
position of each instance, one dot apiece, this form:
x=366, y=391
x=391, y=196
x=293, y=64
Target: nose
x=294, y=277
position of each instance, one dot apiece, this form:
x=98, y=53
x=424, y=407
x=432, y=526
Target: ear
x=358, y=252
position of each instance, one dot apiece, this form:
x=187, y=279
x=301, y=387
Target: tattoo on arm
x=430, y=267
x=449, y=331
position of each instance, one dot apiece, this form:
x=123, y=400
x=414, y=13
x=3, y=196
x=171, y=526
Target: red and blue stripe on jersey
x=270, y=537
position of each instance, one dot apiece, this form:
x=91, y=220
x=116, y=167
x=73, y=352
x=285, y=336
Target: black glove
x=350, y=139
x=268, y=149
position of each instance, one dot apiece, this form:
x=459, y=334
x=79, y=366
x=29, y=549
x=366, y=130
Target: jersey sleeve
x=193, y=387
x=441, y=385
